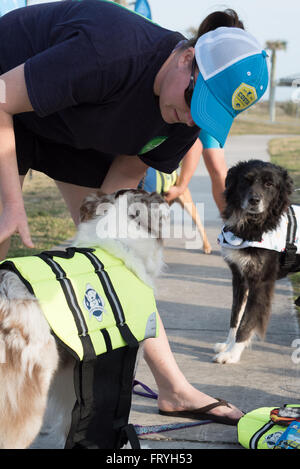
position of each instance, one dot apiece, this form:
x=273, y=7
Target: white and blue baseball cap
x=233, y=75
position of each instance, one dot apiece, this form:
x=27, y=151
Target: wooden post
x=273, y=46
x=272, y=101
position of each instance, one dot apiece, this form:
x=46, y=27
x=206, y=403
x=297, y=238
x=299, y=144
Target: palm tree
x=192, y=32
x=273, y=46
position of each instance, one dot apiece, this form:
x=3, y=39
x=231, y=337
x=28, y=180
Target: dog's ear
x=231, y=182
x=230, y=196
x=287, y=182
x=88, y=209
x=231, y=177
x=286, y=188
x=150, y=211
x=160, y=216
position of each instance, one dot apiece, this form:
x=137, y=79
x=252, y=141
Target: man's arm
x=13, y=100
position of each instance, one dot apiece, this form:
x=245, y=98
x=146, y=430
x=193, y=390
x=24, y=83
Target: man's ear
x=186, y=57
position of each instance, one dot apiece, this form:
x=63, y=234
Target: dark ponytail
x=228, y=18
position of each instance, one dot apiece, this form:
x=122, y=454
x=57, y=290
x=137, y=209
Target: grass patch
x=256, y=120
x=49, y=220
x=244, y=126
x=286, y=152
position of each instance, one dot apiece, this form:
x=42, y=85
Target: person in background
x=175, y=186
x=214, y=159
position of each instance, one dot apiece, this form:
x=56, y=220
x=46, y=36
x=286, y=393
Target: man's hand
x=13, y=220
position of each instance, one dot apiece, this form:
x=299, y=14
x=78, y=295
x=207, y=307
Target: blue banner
x=8, y=5
x=142, y=7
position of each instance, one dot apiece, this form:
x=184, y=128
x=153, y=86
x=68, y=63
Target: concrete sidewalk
x=194, y=301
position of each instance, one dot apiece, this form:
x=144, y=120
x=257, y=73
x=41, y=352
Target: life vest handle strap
x=67, y=254
x=288, y=257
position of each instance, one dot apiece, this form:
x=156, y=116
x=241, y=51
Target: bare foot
x=190, y=399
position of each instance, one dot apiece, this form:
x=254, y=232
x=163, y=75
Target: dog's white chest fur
x=238, y=257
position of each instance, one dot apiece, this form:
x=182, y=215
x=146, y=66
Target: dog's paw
x=220, y=347
x=226, y=357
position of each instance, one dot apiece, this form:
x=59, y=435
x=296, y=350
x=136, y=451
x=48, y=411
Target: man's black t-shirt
x=89, y=69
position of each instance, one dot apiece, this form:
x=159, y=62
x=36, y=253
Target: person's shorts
x=60, y=162
x=208, y=141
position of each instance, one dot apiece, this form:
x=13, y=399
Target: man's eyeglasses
x=188, y=93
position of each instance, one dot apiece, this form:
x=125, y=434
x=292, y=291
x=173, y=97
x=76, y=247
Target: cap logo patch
x=243, y=97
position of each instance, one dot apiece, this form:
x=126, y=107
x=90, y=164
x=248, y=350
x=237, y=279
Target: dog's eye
x=268, y=184
x=134, y=215
x=102, y=212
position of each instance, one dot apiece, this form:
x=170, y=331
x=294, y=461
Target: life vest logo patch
x=243, y=97
x=94, y=303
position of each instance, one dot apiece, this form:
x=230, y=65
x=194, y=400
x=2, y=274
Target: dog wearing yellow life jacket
x=109, y=306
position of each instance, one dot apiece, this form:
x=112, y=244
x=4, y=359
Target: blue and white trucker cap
x=233, y=75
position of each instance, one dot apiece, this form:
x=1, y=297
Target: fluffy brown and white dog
x=257, y=199
x=36, y=376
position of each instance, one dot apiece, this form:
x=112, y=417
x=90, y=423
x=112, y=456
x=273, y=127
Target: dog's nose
x=254, y=199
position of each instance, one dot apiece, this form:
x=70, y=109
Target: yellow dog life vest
x=91, y=300
x=99, y=311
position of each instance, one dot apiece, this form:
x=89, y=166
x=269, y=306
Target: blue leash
x=147, y=391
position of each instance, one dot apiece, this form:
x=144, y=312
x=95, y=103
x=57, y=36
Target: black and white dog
x=258, y=244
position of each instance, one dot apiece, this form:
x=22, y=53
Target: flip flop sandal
x=202, y=413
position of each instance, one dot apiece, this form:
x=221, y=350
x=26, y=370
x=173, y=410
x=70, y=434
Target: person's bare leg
x=214, y=159
x=4, y=247
x=174, y=391
x=73, y=196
